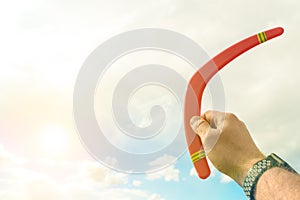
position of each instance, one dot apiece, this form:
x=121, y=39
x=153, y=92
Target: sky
x=43, y=47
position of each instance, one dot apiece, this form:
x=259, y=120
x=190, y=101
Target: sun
x=54, y=141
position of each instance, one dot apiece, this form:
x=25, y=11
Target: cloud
x=169, y=173
x=111, y=194
x=213, y=170
x=225, y=179
x=214, y=173
x=8, y=159
x=89, y=180
x=155, y=197
x=193, y=172
x=163, y=160
x=136, y=183
x=99, y=174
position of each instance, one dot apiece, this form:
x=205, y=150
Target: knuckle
x=231, y=116
x=208, y=112
x=242, y=124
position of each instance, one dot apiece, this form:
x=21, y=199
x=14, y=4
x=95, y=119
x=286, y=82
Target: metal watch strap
x=258, y=169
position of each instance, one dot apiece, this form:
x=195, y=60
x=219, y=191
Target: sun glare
x=54, y=141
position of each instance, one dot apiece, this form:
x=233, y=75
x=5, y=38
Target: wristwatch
x=258, y=169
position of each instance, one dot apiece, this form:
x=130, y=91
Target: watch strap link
x=258, y=169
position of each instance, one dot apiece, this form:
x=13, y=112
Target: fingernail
x=194, y=122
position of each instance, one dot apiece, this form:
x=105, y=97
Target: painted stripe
x=197, y=156
x=259, y=38
x=262, y=37
x=197, y=159
x=197, y=153
x=194, y=154
x=257, y=35
x=265, y=36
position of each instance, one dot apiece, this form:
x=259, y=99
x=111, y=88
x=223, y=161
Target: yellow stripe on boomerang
x=197, y=153
x=262, y=37
x=197, y=156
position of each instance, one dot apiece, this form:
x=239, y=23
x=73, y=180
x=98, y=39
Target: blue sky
x=192, y=187
x=43, y=46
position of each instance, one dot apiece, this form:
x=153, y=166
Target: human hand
x=227, y=143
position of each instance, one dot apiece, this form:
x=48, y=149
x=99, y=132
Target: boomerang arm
x=229, y=54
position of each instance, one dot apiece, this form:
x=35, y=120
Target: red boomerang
x=197, y=85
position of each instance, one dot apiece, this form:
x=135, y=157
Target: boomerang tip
x=204, y=176
x=272, y=33
x=279, y=30
x=202, y=168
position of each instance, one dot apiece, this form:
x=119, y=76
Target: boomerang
x=196, y=88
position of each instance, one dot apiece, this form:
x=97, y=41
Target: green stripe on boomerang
x=197, y=156
x=262, y=37
x=197, y=153
x=265, y=36
x=259, y=38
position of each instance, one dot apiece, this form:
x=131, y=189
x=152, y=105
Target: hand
x=227, y=143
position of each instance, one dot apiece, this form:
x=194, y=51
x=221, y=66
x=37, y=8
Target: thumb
x=200, y=126
x=208, y=135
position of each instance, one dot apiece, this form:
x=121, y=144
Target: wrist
x=245, y=167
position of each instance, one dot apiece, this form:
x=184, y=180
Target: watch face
x=277, y=159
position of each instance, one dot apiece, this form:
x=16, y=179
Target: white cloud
x=214, y=173
x=155, y=197
x=136, y=183
x=100, y=174
x=213, y=170
x=225, y=179
x=168, y=174
x=163, y=160
x=89, y=180
x=7, y=159
x=193, y=172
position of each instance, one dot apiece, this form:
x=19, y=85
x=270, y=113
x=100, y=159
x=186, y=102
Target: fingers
x=209, y=135
x=199, y=125
x=214, y=118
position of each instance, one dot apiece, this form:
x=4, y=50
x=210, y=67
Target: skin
x=233, y=152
